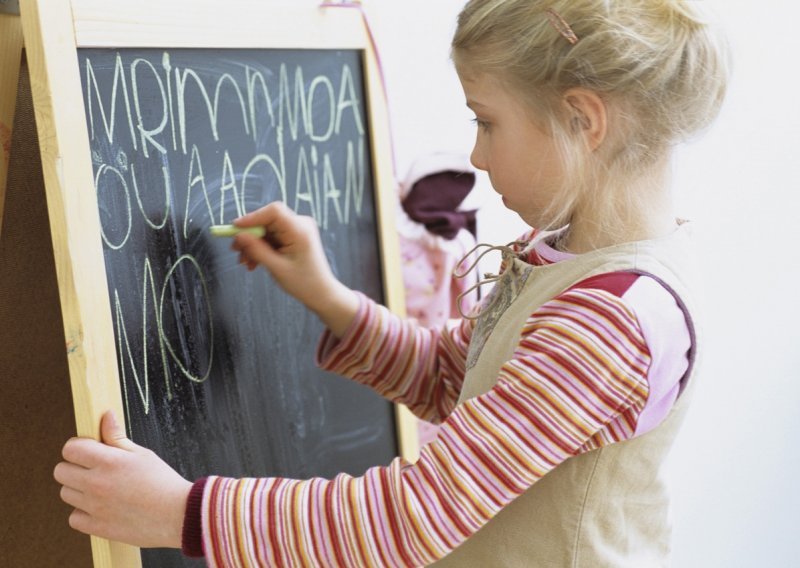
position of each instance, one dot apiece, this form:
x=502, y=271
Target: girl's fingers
x=82, y=522
x=73, y=497
x=284, y=227
x=250, y=247
x=272, y=216
x=257, y=251
x=70, y=474
x=83, y=452
x=114, y=434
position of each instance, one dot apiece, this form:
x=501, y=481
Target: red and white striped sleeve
x=577, y=380
x=402, y=361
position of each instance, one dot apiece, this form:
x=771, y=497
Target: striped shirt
x=599, y=363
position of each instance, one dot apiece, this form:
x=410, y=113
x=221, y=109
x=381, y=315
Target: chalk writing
x=178, y=147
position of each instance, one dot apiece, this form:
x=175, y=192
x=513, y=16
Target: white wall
x=737, y=463
x=426, y=102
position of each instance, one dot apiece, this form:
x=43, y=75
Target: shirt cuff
x=192, y=537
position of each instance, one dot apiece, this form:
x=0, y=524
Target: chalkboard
x=216, y=364
x=155, y=120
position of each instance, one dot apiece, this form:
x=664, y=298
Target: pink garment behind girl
x=434, y=236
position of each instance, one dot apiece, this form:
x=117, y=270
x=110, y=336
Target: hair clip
x=561, y=25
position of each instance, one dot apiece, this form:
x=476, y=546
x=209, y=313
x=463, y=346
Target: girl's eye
x=480, y=123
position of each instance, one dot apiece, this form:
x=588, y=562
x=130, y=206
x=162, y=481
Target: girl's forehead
x=486, y=90
x=480, y=83
x=472, y=77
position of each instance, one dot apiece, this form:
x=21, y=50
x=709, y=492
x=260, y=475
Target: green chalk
x=232, y=231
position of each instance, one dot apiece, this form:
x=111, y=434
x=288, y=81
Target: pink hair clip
x=561, y=25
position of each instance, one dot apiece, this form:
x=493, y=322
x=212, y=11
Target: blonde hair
x=661, y=70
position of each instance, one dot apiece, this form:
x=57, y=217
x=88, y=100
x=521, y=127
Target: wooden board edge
x=209, y=24
x=10, y=58
x=74, y=225
x=386, y=203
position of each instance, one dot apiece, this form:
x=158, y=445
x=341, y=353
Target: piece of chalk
x=232, y=231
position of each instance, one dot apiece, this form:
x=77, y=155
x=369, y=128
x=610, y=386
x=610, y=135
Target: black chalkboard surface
x=217, y=364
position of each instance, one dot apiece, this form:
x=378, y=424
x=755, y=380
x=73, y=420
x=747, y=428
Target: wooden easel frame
x=54, y=30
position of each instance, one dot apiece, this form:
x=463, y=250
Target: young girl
x=560, y=398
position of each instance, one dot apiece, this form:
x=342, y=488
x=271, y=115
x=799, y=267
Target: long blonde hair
x=660, y=68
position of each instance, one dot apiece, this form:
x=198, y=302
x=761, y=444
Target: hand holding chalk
x=292, y=252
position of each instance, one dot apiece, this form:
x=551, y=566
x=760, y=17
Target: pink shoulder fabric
x=665, y=331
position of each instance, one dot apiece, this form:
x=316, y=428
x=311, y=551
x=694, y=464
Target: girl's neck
x=654, y=217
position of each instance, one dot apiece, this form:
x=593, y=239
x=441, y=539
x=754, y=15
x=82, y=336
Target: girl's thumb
x=113, y=433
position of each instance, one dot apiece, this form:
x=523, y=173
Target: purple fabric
x=666, y=332
x=433, y=201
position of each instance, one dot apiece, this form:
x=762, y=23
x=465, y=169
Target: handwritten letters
x=180, y=144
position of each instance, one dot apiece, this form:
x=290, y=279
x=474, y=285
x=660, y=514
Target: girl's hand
x=122, y=491
x=292, y=252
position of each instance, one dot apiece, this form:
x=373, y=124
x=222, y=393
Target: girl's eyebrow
x=472, y=104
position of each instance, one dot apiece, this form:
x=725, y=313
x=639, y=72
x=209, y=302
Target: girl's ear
x=588, y=115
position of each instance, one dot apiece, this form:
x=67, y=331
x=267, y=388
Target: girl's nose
x=476, y=158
